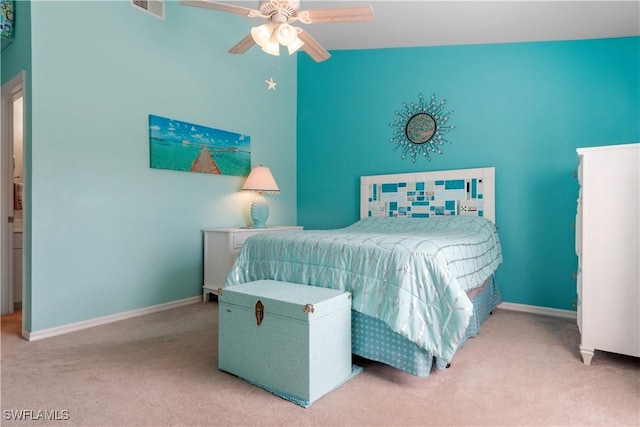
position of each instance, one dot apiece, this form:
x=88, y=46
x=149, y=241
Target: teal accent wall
x=108, y=234
x=523, y=108
x=17, y=55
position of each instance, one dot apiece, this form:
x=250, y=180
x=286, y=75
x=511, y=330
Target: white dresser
x=221, y=247
x=607, y=234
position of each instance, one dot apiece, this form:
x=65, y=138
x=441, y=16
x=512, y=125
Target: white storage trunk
x=293, y=340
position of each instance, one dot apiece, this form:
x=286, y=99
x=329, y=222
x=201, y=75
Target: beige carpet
x=160, y=370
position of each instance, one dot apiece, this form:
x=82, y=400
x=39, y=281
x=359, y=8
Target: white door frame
x=11, y=90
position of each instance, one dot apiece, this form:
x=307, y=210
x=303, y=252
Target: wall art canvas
x=7, y=9
x=189, y=147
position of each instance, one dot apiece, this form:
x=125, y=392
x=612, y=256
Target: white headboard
x=424, y=194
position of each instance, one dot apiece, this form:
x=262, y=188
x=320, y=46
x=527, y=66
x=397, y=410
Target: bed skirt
x=372, y=339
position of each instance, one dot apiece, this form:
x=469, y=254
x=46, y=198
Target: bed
x=419, y=264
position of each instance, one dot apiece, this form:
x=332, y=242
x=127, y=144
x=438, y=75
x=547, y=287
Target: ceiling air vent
x=152, y=7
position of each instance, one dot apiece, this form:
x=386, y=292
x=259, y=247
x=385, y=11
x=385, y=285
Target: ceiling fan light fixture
x=272, y=47
x=262, y=34
x=278, y=31
x=294, y=46
x=286, y=34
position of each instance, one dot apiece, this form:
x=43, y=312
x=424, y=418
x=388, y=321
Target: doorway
x=12, y=194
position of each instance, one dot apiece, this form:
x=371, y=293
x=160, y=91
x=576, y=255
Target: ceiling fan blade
x=243, y=45
x=223, y=7
x=312, y=47
x=343, y=14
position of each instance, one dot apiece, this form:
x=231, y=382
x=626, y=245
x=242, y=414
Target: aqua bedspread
x=411, y=273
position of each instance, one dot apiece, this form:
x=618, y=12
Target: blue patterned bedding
x=410, y=273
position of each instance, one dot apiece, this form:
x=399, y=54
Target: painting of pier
x=188, y=147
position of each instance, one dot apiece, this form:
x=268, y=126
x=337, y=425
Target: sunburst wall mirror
x=420, y=128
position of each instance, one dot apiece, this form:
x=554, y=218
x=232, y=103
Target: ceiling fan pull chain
x=271, y=84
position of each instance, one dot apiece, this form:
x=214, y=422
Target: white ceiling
x=433, y=23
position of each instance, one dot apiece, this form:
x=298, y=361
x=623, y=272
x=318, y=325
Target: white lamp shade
x=261, y=180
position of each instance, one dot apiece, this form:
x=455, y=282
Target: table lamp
x=260, y=181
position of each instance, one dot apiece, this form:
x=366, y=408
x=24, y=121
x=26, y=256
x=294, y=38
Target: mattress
x=410, y=273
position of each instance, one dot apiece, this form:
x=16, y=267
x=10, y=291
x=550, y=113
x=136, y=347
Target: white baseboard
x=534, y=309
x=85, y=324
x=78, y=326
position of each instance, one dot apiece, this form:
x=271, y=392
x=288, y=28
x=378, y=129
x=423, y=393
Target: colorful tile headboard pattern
x=427, y=194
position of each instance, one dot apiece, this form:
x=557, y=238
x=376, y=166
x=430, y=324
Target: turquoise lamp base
x=259, y=212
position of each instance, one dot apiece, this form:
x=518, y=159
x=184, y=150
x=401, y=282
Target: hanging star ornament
x=271, y=84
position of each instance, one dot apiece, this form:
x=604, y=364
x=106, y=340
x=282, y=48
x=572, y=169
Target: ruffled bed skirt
x=374, y=340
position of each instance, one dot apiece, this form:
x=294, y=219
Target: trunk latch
x=259, y=312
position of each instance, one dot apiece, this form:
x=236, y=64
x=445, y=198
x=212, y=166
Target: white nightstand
x=221, y=247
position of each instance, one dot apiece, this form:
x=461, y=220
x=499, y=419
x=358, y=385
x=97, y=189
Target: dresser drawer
x=240, y=237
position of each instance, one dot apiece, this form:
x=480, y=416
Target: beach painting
x=189, y=147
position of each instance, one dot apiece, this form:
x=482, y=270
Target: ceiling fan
x=279, y=31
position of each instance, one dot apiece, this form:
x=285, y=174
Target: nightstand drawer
x=240, y=237
x=222, y=246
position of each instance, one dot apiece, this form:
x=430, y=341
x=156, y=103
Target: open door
x=11, y=92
